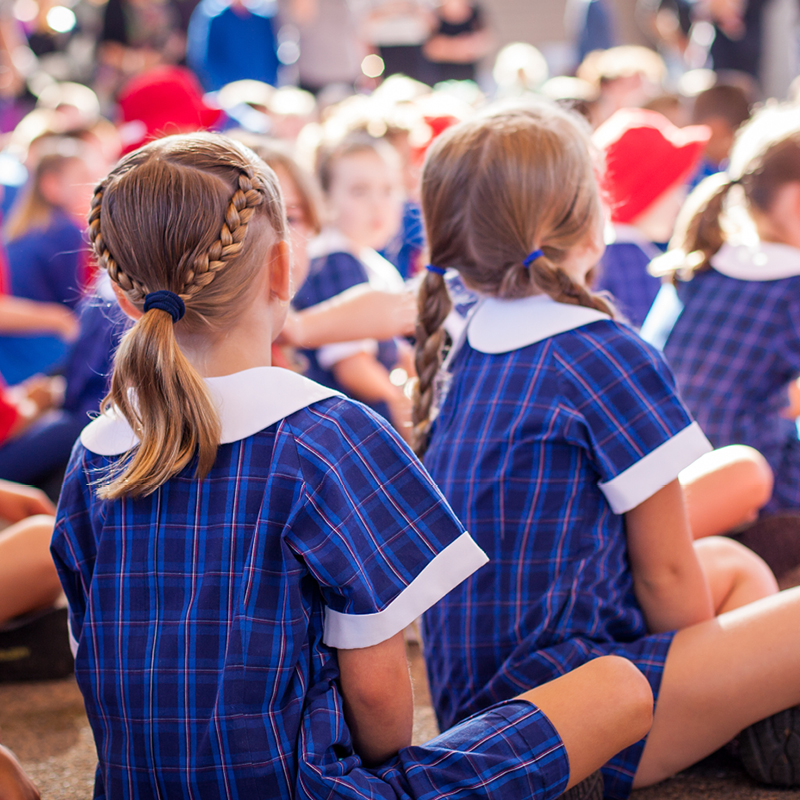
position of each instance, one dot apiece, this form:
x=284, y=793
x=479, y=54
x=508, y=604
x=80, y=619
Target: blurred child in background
x=360, y=177
x=647, y=160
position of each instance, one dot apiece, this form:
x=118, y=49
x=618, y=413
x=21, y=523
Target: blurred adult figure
x=460, y=39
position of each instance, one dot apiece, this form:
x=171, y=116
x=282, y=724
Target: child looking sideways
x=735, y=347
x=360, y=178
x=557, y=436
x=241, y=548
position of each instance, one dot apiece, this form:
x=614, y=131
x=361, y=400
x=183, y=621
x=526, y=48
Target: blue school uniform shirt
x=734, y=348
x=335, y=267
x=623, y=272
x=45, y=263
x=206, y=615
x=556, y=421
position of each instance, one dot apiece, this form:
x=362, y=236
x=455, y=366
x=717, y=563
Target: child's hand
x=792, y=411
x=44, y=392
x=14, y=783
x=18, y=502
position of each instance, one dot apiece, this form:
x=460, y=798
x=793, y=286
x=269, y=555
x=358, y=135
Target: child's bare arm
x=14, y=783
x=358, y=313
x=668, y=580
x=378, y=702
x=18, y=315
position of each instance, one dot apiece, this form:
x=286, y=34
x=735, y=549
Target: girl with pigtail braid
x=559, y=439
x=734, y=343
x=242, y=548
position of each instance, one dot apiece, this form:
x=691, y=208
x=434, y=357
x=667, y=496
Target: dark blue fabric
x=24, y=356
x=45, y=264
x=405, y=249
x=734, y=349
x=328, y=276
x=226, y=45
x=623, y=273
x=519, y=448
x=44, y=448
x=199, y=612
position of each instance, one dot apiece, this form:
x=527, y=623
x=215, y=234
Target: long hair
x=192, y=214
x=494, y=189
x=765, y=157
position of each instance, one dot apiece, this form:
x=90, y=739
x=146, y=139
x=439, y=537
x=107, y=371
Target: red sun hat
x=160, y=102
x=645, y=156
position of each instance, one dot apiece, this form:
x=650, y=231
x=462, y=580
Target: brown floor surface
x=44, y=723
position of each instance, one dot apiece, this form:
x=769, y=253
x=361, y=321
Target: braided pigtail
x=149, y=227
x=555, y=282
x=434, y=305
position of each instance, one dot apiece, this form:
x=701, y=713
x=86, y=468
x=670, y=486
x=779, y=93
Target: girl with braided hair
x=242, y=548
x=557, y=436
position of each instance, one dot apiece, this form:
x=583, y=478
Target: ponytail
x=434, y=305
x=698, y=231
x=166, y=402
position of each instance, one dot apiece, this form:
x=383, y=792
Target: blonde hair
x=765, y=157
x=192, y=214
x=494, y=189
x=33, y=211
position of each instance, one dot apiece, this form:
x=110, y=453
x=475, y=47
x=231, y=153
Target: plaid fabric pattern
x=734, y=349
x=519, y=447
x=623, y=273
x=199, y=615
x=328, y=276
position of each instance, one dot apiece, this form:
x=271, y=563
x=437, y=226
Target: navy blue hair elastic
x=437, y=270
x=532, y=257
x=165, y=300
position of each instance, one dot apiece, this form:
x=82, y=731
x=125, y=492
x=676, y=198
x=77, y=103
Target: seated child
x=361, y=181
x=733, y=340
x=241, y=548
x=558, y=437
x=647, y=161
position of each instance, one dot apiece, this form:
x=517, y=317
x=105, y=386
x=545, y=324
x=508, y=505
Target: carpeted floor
x=44, y=723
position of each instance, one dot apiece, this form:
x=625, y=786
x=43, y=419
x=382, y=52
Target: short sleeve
x=375, y=533
x=73, y=545
x=640, y=435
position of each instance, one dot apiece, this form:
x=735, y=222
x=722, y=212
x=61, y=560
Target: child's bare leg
x=735, y=574
x=28, y=578
x=598, y=710
x=14, y=783
x=720, y=677
x=725, y=489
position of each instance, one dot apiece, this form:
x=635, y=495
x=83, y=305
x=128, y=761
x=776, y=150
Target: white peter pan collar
x=500, y=326
x=247, y=402
x=759, y=261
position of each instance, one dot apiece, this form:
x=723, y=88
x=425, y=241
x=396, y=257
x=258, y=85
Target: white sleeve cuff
x=73, y=642
x=331, y=354
x=656, y=469
x=455, y=563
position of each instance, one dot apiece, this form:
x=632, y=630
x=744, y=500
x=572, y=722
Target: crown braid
x=248, y=196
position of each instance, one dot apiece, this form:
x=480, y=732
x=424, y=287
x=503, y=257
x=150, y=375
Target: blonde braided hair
x=194, y=215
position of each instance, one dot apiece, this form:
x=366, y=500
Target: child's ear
x=127, y=307
x=280, y=270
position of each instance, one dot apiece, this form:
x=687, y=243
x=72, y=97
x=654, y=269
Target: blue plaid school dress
x=334, y=269
x=206, y=616
x=556, y=421
x=623, y=272
x=734, y=349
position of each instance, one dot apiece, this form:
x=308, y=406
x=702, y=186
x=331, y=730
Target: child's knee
x=750, y=472
x=625, y=688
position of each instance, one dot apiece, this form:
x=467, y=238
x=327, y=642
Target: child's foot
x=14, y=783
x=770, y=749
x=590, y=788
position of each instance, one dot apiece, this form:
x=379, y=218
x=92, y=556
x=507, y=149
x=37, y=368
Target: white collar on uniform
x=500, y=326
x=381, y=273
x=247, y=402
x=757, y=261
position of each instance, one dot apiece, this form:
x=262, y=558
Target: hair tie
x=437, y=270
x=532, y=257
x=164, y=300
